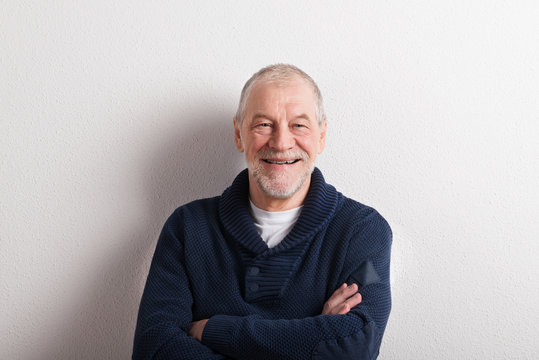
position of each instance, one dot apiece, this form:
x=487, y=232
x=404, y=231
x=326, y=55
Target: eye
x=299, y=126
x=263, y=127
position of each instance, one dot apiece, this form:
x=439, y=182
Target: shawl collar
x=319, y=207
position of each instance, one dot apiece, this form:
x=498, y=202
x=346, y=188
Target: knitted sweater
x=210, y=263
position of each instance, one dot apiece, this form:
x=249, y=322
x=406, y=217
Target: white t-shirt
x=273, y=226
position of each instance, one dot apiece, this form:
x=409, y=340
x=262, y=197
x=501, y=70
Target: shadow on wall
x=186, y=165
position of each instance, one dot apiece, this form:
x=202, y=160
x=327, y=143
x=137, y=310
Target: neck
x=265, y=202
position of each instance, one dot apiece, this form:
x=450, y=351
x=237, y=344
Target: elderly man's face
x=281, y=137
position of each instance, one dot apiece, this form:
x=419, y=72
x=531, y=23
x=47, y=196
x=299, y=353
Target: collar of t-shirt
x=273, y=226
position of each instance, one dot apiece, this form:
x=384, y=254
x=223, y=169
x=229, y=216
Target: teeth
x=281, y=162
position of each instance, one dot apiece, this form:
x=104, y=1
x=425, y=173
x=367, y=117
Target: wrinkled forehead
x=292, y=93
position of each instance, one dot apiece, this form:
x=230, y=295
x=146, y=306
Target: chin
x=278, y=192
x=280, y=188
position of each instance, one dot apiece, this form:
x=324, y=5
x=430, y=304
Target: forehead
x=289, y=95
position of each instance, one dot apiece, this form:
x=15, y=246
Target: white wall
x=113, y=113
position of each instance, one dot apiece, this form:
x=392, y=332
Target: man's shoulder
x=200, y=208
x=356, y=211
x=363, y=220
x=348, y=214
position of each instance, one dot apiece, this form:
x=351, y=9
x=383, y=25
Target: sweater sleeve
x=356, y=335
x=165, y=308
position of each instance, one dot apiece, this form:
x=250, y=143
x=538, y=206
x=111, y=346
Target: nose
x=281, y=139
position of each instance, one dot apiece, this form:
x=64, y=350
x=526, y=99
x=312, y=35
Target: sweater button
x=254, y=270
x=253, y=287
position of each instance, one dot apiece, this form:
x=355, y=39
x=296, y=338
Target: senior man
x=281, y=265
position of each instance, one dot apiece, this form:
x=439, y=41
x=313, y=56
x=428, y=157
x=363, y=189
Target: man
x=281, y=265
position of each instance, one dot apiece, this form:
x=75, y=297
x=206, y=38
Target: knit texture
x=262, y=303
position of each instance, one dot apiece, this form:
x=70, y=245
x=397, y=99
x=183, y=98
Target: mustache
x=288, y=154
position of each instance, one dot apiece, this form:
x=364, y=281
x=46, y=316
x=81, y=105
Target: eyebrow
x=302, y=116
x=261, y=115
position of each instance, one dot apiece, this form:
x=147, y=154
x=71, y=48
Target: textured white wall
x=113, y=113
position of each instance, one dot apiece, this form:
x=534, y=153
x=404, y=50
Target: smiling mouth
x=285, y=162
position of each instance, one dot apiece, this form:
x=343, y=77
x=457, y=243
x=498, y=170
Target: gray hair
x=280, y=74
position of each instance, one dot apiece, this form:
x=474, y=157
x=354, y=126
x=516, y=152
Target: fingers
x=353, y=301
x=344, y=292
x=349, y=303
x=342, y=300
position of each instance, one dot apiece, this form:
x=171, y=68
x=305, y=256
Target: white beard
x=280, y=185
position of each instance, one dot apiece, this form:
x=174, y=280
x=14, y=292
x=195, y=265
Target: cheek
x=309, y=145
x=250, y=150
x=256, y=143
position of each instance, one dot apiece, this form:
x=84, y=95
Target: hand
x=342, y=300
x=196, y=328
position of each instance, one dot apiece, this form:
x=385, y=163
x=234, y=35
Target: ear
x=322, y=141
x=237, y=136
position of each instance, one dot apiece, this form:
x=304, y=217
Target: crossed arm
x=350, y=326
x=340, y=303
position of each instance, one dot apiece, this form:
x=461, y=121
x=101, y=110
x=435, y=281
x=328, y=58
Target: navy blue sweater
x=262, y=303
